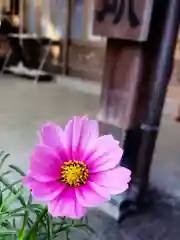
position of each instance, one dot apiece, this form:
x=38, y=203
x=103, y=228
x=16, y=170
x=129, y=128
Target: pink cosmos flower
x=75, y=168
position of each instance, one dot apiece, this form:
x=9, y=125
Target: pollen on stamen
x=74, y=173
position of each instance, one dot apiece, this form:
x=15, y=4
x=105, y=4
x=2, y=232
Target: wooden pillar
x=87, y=8
x=127, y=31
x=14, y=6
x=67, y=37
x=158, y=52
x=138, y=64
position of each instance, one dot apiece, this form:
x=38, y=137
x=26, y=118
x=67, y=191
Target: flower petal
x=91, y=195
x=104, y=155
x=53, y=136
x=66, y=205
x=44, y=191
x=79, y=131
x=45, y=164
x=115, y=180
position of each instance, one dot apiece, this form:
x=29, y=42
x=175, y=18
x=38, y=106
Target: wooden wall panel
x=87, y=59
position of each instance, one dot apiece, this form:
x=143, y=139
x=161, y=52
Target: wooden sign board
x=123, y=19
x=122, y=85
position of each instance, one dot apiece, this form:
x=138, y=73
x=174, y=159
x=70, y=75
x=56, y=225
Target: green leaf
x=3, y=207
x=67, y=227
x=13, y=190
x=1, y=197
x=29, y=200
x=89, y=230
x=12, y=185
x=7, y=232
x=6, y=173
x=68, y=235
x=30, y=223
x=13, y=211
x=17, y=169
x=7, y=225
x=36, y=223
x=23, y=228
x=9, y=200
x=7, y=216
x=49, y=224
x=1, y=152
x=3, y=159
x=14, y=222
x=36, y=207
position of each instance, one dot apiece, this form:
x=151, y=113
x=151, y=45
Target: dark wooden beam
x=158, y=54
x=67, y=37
x=14, y=6
x=135, y=80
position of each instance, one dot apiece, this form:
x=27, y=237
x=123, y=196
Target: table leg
x=6, y=60
x=43, y=60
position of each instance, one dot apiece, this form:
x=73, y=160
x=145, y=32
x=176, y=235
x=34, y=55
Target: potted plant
x=70, y=171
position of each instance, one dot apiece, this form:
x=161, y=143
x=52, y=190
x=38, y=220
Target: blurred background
x=51, y=69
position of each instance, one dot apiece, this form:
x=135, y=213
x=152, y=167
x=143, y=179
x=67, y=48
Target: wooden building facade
x=50, y=18
x=70, y=23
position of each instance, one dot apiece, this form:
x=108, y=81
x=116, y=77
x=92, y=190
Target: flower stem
x=39, y=218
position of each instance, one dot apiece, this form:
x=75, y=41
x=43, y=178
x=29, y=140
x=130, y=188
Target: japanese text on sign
x=123, y=19
x=117, y=9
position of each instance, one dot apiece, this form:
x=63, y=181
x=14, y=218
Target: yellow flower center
x=74, y=173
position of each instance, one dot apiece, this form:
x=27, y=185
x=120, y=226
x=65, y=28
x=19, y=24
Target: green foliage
x=22, y=219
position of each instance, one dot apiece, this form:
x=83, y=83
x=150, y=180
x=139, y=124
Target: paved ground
x=160, y=222
x=24, y=106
